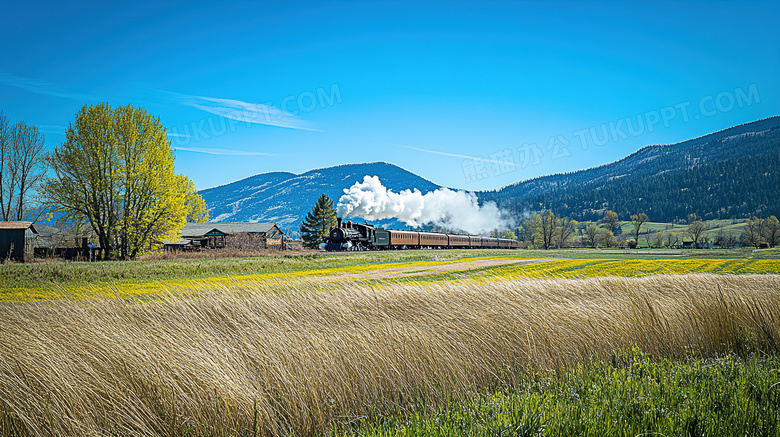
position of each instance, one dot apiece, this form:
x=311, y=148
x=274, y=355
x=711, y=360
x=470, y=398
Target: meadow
x=599, y=345
x=50, y=280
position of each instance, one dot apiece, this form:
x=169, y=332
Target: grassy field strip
x=296, y=362
x=136, y=287
x=45, y=275
x=423, y=271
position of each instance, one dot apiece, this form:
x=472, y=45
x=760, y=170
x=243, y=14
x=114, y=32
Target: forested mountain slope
x=731, y=173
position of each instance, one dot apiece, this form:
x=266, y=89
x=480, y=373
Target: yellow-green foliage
x=116, y=171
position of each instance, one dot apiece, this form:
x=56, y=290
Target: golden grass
x=285, y=360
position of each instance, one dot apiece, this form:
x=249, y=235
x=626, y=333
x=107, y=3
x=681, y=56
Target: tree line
x=114, y=173
x=547, y=230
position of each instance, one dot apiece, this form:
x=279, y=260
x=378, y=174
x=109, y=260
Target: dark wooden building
x=66, y=243
x=17, y=241
x=232, y=235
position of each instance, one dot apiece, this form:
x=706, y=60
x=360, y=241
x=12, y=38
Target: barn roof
x=18, y=225
x=200, y=229
x=179, y=242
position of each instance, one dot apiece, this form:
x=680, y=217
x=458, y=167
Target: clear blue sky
x=471, y=95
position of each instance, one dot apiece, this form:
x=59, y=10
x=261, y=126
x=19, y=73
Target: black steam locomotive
x=355, y=236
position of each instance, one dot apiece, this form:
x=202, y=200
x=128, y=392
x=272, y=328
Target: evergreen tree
x=318, y=222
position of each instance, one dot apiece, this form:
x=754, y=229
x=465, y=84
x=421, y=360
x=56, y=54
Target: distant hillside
x=285, y=198
x=731, y=173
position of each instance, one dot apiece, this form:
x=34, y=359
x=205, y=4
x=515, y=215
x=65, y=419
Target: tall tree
x=6, y=179
x=772, y=231
x=754, y=228
x=591, y=234
x=116, y=170
x=720, y=236
x=696, y=231
x=565, y=229
x=730, y=240
x=672, y=239
x=525, y=234
x=610, y=220
x=22, y=167
x=637, y=220
x=607, y=239
x=544, y=226
x=318, y=223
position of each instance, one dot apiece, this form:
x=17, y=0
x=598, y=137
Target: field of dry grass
x=287, y=359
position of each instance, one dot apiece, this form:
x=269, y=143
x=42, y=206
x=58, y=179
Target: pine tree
x=318, y=222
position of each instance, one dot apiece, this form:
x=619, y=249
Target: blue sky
x=471, y=95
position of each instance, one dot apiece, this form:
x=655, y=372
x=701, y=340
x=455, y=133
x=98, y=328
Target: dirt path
x=417, y=270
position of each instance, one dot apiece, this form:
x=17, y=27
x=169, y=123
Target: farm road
x=424, y=270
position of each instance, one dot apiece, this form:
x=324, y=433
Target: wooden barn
x=17, y=241
x=67, y=243
x=232, y=235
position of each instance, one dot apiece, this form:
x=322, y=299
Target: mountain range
x=731, y=173
x=727, y=174
x=285, y=198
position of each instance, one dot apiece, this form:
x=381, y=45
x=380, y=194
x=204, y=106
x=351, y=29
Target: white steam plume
x=457, y=210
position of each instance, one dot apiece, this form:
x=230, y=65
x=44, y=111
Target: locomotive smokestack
x=338, y=220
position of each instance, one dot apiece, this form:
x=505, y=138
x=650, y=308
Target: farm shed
x=65, y=242
x=17, y=240
x=180, y=244
x=233, y=235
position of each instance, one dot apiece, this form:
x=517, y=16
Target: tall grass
x=287, y=360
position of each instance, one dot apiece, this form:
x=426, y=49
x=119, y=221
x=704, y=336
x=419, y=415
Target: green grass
x=631, y=394
x=729, y=228
x=715, y=227
x=83, y=273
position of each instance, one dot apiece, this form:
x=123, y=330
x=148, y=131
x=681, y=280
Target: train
x=358, y=237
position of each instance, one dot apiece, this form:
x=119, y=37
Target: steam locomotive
x=355, y=236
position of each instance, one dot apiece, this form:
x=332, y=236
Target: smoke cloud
x=456, y=210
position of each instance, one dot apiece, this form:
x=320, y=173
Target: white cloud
x=454, y=155
x=257, y=113
x=173, y=134
x=41, y=87
x=224, y=152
